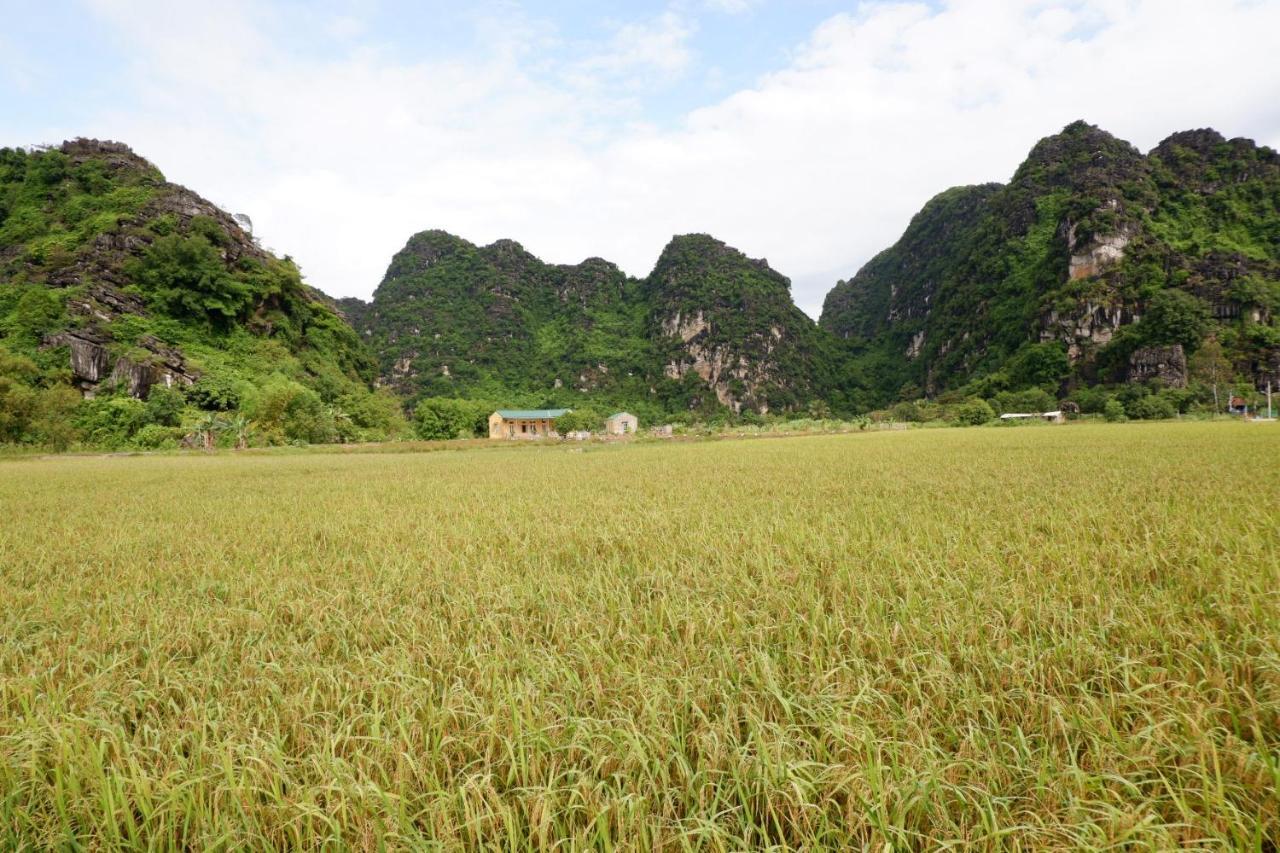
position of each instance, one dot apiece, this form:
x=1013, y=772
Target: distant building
x=622, y=423
x=1051, y=417
x=524, y=423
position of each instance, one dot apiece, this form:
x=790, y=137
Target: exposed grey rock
x=1167, y=364
x=93, y=368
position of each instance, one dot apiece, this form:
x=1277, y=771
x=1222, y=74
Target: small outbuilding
x=621, y=423
x=524, y=423
x=1055, y=417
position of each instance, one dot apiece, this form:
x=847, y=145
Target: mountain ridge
x=1085, y=238
x=117, y=282
x=708, y=327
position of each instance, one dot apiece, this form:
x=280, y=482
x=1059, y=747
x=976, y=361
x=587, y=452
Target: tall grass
x=1049, y=638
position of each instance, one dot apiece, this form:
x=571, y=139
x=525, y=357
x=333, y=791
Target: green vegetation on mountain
x=1096, y=265
x=710, y=330
x=133, y=313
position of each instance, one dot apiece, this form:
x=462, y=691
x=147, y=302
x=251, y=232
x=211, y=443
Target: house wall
x=501, y=428
x=615, y=427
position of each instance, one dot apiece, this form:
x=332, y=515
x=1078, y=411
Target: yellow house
x=524, y=423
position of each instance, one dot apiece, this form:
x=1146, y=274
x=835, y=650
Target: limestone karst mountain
x=1094, y=264
x=114, y=280
x=708, y=327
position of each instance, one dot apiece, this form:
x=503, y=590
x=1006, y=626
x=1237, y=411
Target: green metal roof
x=619, y=415
x=531, y=414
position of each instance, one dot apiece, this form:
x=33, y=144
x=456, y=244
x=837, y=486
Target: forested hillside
x=1095, y=265
x=708, y=330
x=134, y=313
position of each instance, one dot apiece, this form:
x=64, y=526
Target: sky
x=807, y=132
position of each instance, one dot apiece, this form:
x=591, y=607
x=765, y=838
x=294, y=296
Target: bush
x=285, y=408
x=1175, y=317
x=378, y=415
x=1031, y=400
x=37, y=312
x=1090, y=400
x=580, y=419
x=1113, y=411
x=214, y=394
x=907, y=412
x=186, y=277
x=110, y=422
x=442, y=418
x=1042, y=365
x=975, y=412
x=157, y=437
x=1153, y=407
x=165, y=405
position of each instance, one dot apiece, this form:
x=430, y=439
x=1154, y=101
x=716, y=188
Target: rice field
x=1039, y=638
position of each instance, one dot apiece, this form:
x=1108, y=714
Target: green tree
x=207, y=428
x=1113, y=411
x=165, y=405
x=37, y=312
x=1209, y=365
x=1152, y=407
x=439, y=418
x=1175, y=317
x=819, y=410
x=53, y=422
x=110, y=422
x=975, y=412
x=17, y=397
x=186, y=277
x=1041, y=365
x=584, y=418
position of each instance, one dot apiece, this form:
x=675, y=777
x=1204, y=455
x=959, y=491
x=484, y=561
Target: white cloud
x=817, y=166
x=661, y=44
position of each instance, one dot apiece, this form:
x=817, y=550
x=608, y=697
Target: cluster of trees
x=43, y=411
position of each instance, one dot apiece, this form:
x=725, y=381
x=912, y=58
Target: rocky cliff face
x=138, y=282
x=729, y=320
x=1070, y=254
x=707, y=328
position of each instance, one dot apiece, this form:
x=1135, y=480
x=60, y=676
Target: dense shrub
x=1030, y=400
x=580, y=419
x=975, y=412
x=1152, y=407
x=110, y=422
x=378, y=416
x=907, y=412
x=186, y=277
x=288, y=411
x=1175, y=317
x=165, y=405
x=437, y=418
x=157, y=437
x=1041, y=365
x=1091, y=401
